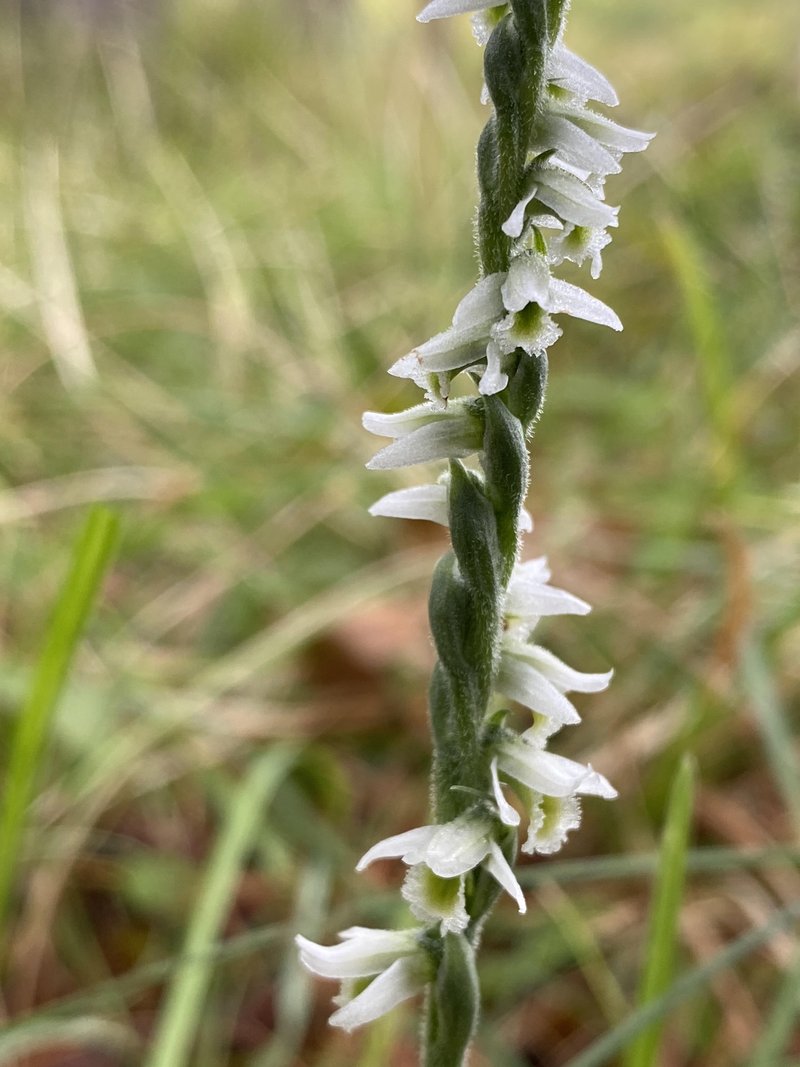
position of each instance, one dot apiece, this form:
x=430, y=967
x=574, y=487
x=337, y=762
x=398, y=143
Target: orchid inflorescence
x=543, y=159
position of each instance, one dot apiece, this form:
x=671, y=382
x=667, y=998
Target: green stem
x=466, y=601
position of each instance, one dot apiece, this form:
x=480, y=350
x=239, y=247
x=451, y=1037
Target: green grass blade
x=101, y=1034
x=688, y=985
x=90, y=559
x=710, y=344
x=781, y=1023
x=183, y=1008
x=776, y=730
x=660, y=950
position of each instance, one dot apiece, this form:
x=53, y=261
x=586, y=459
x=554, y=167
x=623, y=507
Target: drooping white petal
x=435, y=899
x=427, y=502
x=528, y=281
x=563, y=677
x=493, y=380
x=449, y=350
x=575, y=146
x=442, y=9
x=515, y=223
x=565, y=298
x=499, y=868
x=508, y=815
x=402, y=980
x=579, y=77
x=525, y=524
x=445, y=439
x=520, y=681
x=551, y=820
x=410, y=846
x=362, y=952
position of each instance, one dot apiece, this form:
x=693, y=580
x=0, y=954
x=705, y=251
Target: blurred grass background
x=220, y=223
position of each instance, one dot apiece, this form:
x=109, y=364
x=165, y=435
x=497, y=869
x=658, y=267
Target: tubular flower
x=392, y=961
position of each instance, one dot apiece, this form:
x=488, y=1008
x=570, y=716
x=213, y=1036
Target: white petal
x=446, y=439
x=508, y=815
x=579, y=77
x=493, y=379
x=410, y=847
x=498, y=866
x=525, y=524
x=528, y=281
x=457, y=846
x=573, y=199
x=442, y=9
x=576, y=147
x=427, y=502
x=362, y=953
x=547, y=773
x=568, y=299
x=596, y=785
x=482, y=304
x=528, y=599
x=533, y=570
x=608, y=132
x=564, y=678
x=515, y=223
x=550, y=774
x=519, y=681
x=402, y=980
x=399, y=423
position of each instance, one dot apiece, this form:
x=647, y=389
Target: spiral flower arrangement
x=543, y=158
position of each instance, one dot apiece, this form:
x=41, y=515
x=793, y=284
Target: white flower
x=530, y=596
x=577, y=244
x=425, y=432
x=550, y=784
x=428, y=502
x=442, y=9
x=446, y=852
x=465, y=343
x=482, y=333
x=532, y=295
x=538, y=680
x=578, y=77
x=401, y=966
x=566, y=194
